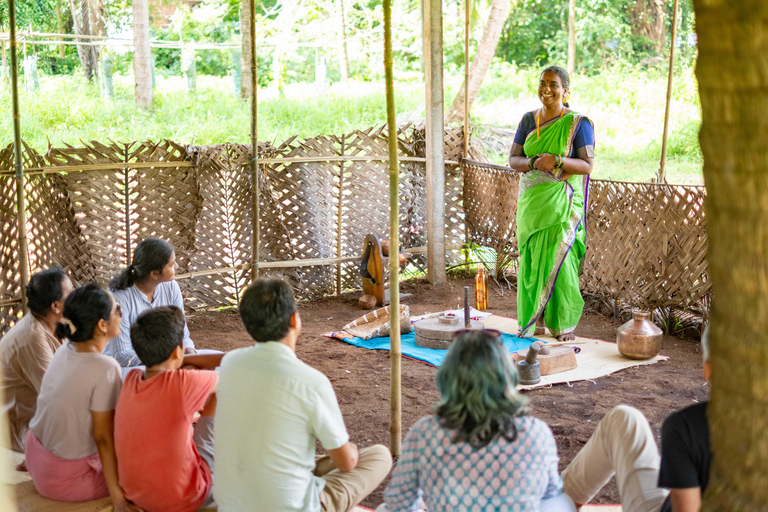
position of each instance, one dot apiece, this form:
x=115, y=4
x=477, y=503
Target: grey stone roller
x=438, y=332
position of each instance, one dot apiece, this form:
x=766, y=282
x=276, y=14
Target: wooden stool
x=29, y=500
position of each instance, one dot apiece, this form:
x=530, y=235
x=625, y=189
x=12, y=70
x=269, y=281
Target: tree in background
x=88, y=18
x=731, y=74
x=483, y=58
x=647, y=20
x=571, y=36
x=343, y=55
x=245, y=51
x=142, y=56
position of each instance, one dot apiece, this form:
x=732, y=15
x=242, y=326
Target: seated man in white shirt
x=271, y=410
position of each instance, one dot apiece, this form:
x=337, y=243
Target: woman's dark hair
x=156, y=333
x=266, y=309
x=151, y=254
x=563, y=75
x=83, y=309
x=45, y=288
x=477, y=390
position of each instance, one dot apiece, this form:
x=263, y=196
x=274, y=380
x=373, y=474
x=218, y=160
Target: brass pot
x=639, y=338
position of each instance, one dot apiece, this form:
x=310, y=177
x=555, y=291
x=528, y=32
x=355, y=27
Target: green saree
x=551, y=235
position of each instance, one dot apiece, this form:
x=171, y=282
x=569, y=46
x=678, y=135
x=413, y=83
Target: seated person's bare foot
x=569, y=336
x=22, y=466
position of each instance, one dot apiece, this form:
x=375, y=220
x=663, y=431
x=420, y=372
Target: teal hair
x=477, y=384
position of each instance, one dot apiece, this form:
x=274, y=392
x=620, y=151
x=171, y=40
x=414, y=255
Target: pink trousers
x=64, y=479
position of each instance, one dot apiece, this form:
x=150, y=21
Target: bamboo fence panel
x=10, y=279
x=646, y=242
x=90, y=205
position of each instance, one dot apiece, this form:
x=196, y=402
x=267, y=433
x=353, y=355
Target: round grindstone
x=432, y=333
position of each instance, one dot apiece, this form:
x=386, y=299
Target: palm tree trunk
x=85, y=22
x=734, y=101
x=245, y=52
x=142, y=56
x=482, y=61
x=343, y=55
x=60, y=26
x=571, y=36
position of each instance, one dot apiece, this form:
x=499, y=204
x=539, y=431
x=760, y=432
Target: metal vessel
x=639, y=338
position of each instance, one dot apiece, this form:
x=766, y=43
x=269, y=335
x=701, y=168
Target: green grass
x=625, y=103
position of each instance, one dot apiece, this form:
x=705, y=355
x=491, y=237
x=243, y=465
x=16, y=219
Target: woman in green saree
x=554, y=151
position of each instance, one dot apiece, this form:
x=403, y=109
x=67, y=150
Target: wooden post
x=21, y=212
x=466, y=78
x=339, y=223
x=433, y=81
x=662, y=163
x=255, y=192
x=395, y=418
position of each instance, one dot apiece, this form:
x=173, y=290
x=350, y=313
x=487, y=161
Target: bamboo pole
x=662, y=163
x=21, y=212
x=466, y=112
x=339, y=218
x=466, y=78
x=126, y=176
x=395, y=418
x=256, y=193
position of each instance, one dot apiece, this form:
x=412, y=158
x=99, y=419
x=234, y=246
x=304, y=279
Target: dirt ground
x=361, y=377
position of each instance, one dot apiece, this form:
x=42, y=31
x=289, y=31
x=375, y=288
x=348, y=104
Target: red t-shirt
x=159, y=466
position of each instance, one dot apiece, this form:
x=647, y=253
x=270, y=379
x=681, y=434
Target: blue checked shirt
x=134, y=302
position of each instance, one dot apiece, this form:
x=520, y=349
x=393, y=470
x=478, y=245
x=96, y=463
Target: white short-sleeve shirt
x=271, y=410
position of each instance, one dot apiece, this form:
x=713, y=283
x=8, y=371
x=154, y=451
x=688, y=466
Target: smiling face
x=551, y=90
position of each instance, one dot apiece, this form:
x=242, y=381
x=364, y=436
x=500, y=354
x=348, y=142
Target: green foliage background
x=622, y=93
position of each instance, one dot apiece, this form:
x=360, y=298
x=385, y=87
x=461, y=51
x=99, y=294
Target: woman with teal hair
x=480, y=450
x=554, y=151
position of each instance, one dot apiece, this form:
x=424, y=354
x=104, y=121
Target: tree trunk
x=571, y=36
x=88, y=20
x=142, y=56
x=734, y=102
x=60, y=26
x=482, y=61
x=648, y=20
x=245, y=52
x=343, y=55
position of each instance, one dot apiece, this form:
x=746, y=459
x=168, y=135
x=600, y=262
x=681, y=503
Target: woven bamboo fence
x=89, y=206
x=646, y=245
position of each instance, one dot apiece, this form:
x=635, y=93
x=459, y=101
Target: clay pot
x=639, y=338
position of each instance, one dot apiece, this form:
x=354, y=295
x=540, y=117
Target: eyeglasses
x=490, y=332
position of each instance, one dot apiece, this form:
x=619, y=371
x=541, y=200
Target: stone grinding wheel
x=438, y=332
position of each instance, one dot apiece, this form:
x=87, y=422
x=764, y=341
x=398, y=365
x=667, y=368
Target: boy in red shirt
x=165, y=462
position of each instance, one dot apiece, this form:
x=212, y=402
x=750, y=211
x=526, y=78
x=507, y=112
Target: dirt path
x=361, y=377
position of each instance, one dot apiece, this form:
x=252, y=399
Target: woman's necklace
x=83, y=345
x=538, y=121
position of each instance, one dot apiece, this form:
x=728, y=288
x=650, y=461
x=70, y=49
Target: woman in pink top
x=70, y=446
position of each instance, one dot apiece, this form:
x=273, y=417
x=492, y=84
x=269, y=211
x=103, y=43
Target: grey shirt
x=134, y=302
x=75, y=384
